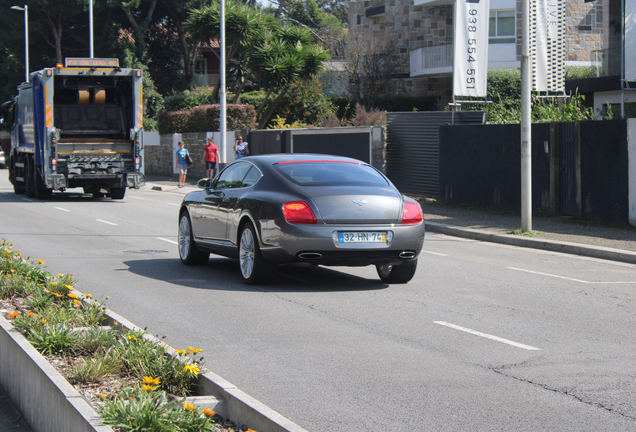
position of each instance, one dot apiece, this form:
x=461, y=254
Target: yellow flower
x=43, y=321
x=115, y=323
x=88, y=296
x=131, y=338
x=189, y=406
x=72, y=295
x=40, y=261
x=193, y=369
x=151, y=380
x=76, y=302
x=180, y=351
x=68, y=287
x=101, y=395
x=60, y=275
x=148, y=387
x=8, y=251
x=195, y=350
x=70, y=276
x=208, y=412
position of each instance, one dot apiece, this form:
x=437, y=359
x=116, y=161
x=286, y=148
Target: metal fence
x=412, y=148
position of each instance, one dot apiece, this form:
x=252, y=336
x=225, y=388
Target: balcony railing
x=437, y=56
x=606, y=62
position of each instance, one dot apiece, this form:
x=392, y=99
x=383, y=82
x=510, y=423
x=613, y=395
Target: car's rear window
x=328, y=173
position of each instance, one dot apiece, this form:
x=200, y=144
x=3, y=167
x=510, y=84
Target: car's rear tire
x=254, y=269
x=397, y=274
x=188, y=251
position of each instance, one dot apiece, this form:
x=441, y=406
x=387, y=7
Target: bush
x=188, y=99
x=206, y=118
x=304, y=103
x=372, y=117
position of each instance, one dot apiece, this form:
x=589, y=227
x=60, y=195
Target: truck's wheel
x=117, y=192
x=29, y=178
x=41, y=191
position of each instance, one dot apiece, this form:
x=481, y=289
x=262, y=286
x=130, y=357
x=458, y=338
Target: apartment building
x=417, y=37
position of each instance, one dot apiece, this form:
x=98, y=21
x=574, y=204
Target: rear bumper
x=314, y=244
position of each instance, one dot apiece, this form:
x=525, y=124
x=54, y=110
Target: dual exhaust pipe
x=309, y=256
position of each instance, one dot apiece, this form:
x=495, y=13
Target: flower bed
x=133, y=382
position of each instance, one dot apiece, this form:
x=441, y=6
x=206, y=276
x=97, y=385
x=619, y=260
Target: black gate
x=412, y=148
x=567, y=168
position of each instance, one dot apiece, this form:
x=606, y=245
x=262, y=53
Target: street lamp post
x=26, y=38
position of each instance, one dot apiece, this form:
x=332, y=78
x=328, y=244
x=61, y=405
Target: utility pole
x=526, y=121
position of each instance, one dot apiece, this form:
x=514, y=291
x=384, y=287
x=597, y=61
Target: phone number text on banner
x=470, y=60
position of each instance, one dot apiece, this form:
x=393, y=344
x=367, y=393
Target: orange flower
x=13, y=315
x=30, y=314
x=208, y=412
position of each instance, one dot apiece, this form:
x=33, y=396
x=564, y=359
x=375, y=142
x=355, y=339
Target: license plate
x=362, y=237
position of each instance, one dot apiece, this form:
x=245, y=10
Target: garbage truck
x=76, y=125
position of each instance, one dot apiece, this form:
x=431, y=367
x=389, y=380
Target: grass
x=140, y=387
x=524, y=233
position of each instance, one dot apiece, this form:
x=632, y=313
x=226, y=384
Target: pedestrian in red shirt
x=211, y=157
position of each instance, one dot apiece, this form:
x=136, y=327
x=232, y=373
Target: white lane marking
x=174, y=204
x=487, y=336
x=63, y=209
x=169, y=241
x=434, y=253
x=570, y=279
x=106, y=222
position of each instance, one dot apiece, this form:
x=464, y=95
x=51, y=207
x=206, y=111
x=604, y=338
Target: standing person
x=211, y=157
x=240, y=148
x=182, y=163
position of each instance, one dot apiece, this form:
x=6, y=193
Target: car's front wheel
x=188, y=251
x=397, y=274
x=254, y=269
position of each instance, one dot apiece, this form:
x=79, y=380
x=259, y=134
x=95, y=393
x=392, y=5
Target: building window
x=502, y=27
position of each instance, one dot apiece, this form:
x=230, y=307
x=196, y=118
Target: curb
x=552, y=245
x=49, y=403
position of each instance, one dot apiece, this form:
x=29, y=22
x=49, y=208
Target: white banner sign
x=470, y=59
x=547, y=45
x=630, y=40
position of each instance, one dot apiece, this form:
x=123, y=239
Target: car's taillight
x=298, y=212
x=412, y=213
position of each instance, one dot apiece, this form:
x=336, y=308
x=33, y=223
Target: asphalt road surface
x=486, y=337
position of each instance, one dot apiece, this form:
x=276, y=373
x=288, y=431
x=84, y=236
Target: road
x=486, y=337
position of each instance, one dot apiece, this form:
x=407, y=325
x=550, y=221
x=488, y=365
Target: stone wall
x=161, y=160
x=584, y=29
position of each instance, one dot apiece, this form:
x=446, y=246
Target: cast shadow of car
x=224, y=274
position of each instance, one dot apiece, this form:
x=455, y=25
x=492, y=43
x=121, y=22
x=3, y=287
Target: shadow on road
x=224, y=274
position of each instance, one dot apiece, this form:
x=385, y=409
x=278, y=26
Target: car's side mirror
x=204, y=183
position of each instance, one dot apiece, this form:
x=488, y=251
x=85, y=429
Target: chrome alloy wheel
x=184, y=237
x=246, y=252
